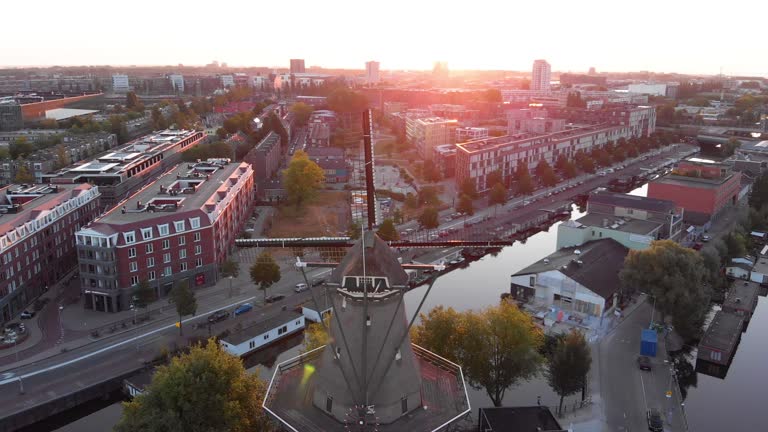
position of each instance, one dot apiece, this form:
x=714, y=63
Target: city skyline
x=487, y=37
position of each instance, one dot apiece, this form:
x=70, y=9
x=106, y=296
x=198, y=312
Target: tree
x=569, y=365
x=494, y=178
x=23, y=175
x=205, y=390
x=429, y=218
x=465, y=206
x=523, y=178
x=132, y=102
x=497, y=347
x=736, y=243
x=229, y=268
x=353, y=231
x=265, y=272
x=730, y=147
x=498, y=195
x=759, y=196
x=411, y=201
x=143, y=294
x=62, y=156
x=387, y=231
x=302, y=179
x=184, y=299
x=429, y=196
x=302, y=112
x=20, y=148
x=674, y=275
x=315, y=336
x=468, y=188
x=397, y=216
x=492, y=95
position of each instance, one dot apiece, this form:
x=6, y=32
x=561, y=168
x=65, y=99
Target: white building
x=120, y=83
x=542, y=75
x=372, y=72
x=469, y=133
x=740, y=268
x=177, y=82
x=263, y=333
x=648, y=89
x=227, y=81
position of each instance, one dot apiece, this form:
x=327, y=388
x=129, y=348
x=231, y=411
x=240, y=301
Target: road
x=627, y=391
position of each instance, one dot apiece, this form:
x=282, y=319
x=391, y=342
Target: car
x=243, y=308
x=274, y=298
x=318, y=281
x=602, y=174
x=217, y=316
x=706, y=238
x=644, y=363
x=301, y=287
x=27, y=314
x=655, y=423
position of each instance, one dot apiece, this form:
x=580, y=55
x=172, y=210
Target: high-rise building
x=372, y=72
x=542, y=73
x=120, y=83
x=178, y=228
x=297, y=66
x=177, y=82
x=440, y=70
x=428, y=133
x=10, y=115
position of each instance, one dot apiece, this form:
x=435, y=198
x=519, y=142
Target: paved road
x=627, y=391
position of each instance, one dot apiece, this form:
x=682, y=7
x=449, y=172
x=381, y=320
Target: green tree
x=132, y=102
x=495, y=177
x=353, y=231
x=265, y=272
x=468, y=188
x=569, y=365
x=758, y=198
x=23, y=175
x=523, y=178
x=429, y=218
x=143, y=294
x=301, y=112
x=20, y=148
x=62, y=157
x=498, y=195
x=411, y=201
x=736, y=243
x=674, y=275
x=498, y=347
x=465, y=205
x=729, y=148
x=205, y=390
x=429, y=196
x=315, y=336
x=184, y=299
x=302, y=179
x=397, y=216
x=387, y=231
x=229, y=268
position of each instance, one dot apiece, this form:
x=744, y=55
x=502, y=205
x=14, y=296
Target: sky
x=664, y=36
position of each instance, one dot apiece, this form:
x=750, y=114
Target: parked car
x=301, y=287
x=602, y=174
x=706, y=238
x=644, y=363
x=274, y=298
x=318, y=281
x=27, y=314
x=655, y=423
x=243, y=308
x=217, y=316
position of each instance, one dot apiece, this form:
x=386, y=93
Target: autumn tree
x=674, y=275
x=302, y=179
x=524, y=183
x=569, y=365
x=494, y=178
x=387, y=231
x=301, y=112
x=315, y=336
x=498, y=195
x=265, y=272
x=353, y=231
x=205, y=390
x=429, y=218
x=184, y=298
x=468, y=188
x=465, y=205
x=498, y=347
x=23, y=175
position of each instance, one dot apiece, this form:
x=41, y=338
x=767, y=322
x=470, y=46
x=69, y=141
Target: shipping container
x=648, y=341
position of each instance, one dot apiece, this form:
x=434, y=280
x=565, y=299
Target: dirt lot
x=326, y=215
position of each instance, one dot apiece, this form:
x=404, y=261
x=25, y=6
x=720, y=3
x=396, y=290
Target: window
x=167, y=271
x=281, y=330
x=404, y=405
x=151, y=275
x=182, y=240
x=146, y=233
x=179, y=226
x=329, y=403
x=129, y=237
x=163, y=229
x=134, y=280
x=150, y=248
x=199, y=262
x=150, y=262
x=166, y=257
x=183, y=267
x=197, y=236
x=166, y=244
x=252, y=345
x=133, y=266
x=132, y=252
x=182, y=253
x=266, y=336
x=198, y=249
x=194, y=223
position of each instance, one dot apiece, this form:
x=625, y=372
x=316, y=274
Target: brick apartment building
x=265, y=157
x=122, y=172
x=37, y=226
x=179, y=227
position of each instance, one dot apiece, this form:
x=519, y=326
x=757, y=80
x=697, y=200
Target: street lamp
x=230, y=286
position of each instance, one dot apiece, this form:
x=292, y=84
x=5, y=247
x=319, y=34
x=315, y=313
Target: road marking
x=642, y=384
x=111, y=347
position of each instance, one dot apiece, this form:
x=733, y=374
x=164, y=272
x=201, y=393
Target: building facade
x=541, y=76
x=37, y=226
x=265, y=157
x=177, y=82
x=131, y=166
x=372, y=72
x=297, y=66
x=426, y=133
x=177, y=228
x=470, y=133
x=120, y=83
x=10, y=115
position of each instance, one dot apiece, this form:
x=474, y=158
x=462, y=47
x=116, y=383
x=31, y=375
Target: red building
x=179, y=227
x=702, y=188
x=37, y=226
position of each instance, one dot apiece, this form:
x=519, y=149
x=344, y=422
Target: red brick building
x=37, y=226
x=702, y=188
x=179, y=227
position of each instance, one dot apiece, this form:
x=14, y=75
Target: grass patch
x=326, y=215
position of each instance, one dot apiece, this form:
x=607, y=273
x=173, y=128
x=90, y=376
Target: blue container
x=648, y=341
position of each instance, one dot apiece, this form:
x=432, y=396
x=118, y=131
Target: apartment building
x=426, y=133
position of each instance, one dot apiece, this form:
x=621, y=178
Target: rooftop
x=504, y=419
x=632, y=201
x=629, y=225
x=692, y=182
x=20, y=204
x=484, y=144
x=761, y=266
x=261, y=327
x=595, y=265
x=198, y=186
x=65, y=113
x=742, y=295
x=723, y=332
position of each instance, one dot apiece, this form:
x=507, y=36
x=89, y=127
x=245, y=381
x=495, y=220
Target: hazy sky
x=665, y=36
